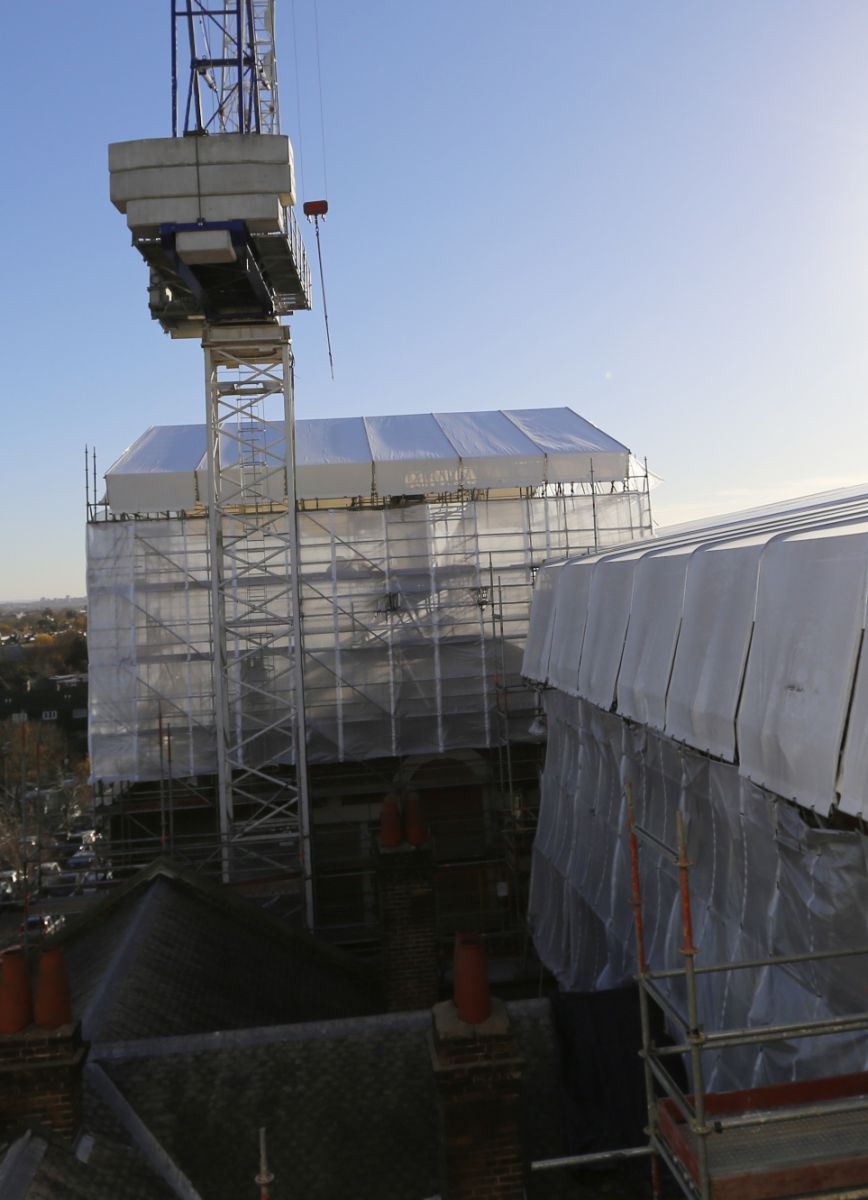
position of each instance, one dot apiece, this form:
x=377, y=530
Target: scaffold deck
x=796, y=1145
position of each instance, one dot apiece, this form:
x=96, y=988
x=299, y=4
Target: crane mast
x=210, y=211
x=230, y=83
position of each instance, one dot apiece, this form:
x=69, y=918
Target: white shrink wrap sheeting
x=409, y=454
x=741, y=640
x=854, y=765
x=652, y=634
x=752, y=626
x=810, y=616
x=539, y=634
x=568, y=633
x=762, y=883
x=401, y=653
x=609, y=600
x=716, y=626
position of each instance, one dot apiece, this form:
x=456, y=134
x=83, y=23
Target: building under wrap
x=420, y=539
x=417, y=566
x=720, y=672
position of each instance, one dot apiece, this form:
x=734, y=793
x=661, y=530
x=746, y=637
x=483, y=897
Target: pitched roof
x=208, y=1020
x=349, y=1106
x=171, y=953
x=406, y=453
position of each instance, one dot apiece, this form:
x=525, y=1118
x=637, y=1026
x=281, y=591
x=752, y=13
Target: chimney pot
x=390, y=824
x=51, y=1008
x=470, y=979
x=415, y=829
x=16, y=1005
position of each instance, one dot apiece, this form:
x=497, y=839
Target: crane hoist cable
x=325, y=174
x=313, y=210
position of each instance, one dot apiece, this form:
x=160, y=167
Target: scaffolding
x=414, y=614
x=414, y=611
x=784, y=1140
x=775, y=1142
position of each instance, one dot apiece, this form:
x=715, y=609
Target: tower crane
x=210, y=210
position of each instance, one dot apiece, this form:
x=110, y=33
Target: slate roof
x=171, y=953
x=41, y=1167
x=198, y=1009
x=349, y=1106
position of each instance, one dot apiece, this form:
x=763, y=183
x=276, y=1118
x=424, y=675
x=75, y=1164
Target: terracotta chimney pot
x=470, y=979
x=390, y=824
x=51, y=1007
x=16, y=1005
x=415, y=829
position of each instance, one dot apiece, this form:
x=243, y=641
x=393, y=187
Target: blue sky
x=656, y=213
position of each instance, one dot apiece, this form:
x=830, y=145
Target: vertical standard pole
x=174, y=71
x=594, y=508
x=162, y=783
x=644, y=1015
x=218, y=617
x=171, y=790
x=239, y=46
x=508, y=747
x=688, y=949
x=300, y=724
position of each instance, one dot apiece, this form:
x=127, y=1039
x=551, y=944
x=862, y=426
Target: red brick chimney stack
x=477, y=1073
x=405, y=877
x=40, y=1064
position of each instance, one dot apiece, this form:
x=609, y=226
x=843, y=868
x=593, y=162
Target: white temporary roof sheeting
x=333, y=457
x=652, y=634
x=810, y=615
x=716, y=627
x=568, y=626
x=157, y=465
x=537, y=647
x=565, y=437
x=399, y=455
x=412, y=455
x=609, y=600
x=743, y=638
x=854, y=764
x=483, y=439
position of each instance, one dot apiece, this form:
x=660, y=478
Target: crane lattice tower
x=210, y=210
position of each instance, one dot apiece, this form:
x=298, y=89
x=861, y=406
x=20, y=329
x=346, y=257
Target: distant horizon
x=48, y=601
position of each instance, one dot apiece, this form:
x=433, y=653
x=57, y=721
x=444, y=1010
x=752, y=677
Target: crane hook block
x=315, y=208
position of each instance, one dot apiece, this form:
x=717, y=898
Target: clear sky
x=656, y=213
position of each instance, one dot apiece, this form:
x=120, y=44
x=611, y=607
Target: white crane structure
x=210, y=211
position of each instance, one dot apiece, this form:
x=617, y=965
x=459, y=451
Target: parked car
x=8, y=888
x=89, y=881
x=64, y=884
x=83, y=858
x=40, y=925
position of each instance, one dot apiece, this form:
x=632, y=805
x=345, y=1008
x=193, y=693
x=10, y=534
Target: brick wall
x=478, y=1074
x=40, y=1077
x=410, y=970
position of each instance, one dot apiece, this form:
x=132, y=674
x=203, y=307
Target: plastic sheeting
x=763, y=883
x=402, y=652
x=743, y=639
x=714, y=638
x=402, y=455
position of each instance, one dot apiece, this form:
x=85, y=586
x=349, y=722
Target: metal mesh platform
x=793, y=1150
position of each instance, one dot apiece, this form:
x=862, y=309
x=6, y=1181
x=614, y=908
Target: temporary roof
x=407, y=454
x=743, y=639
